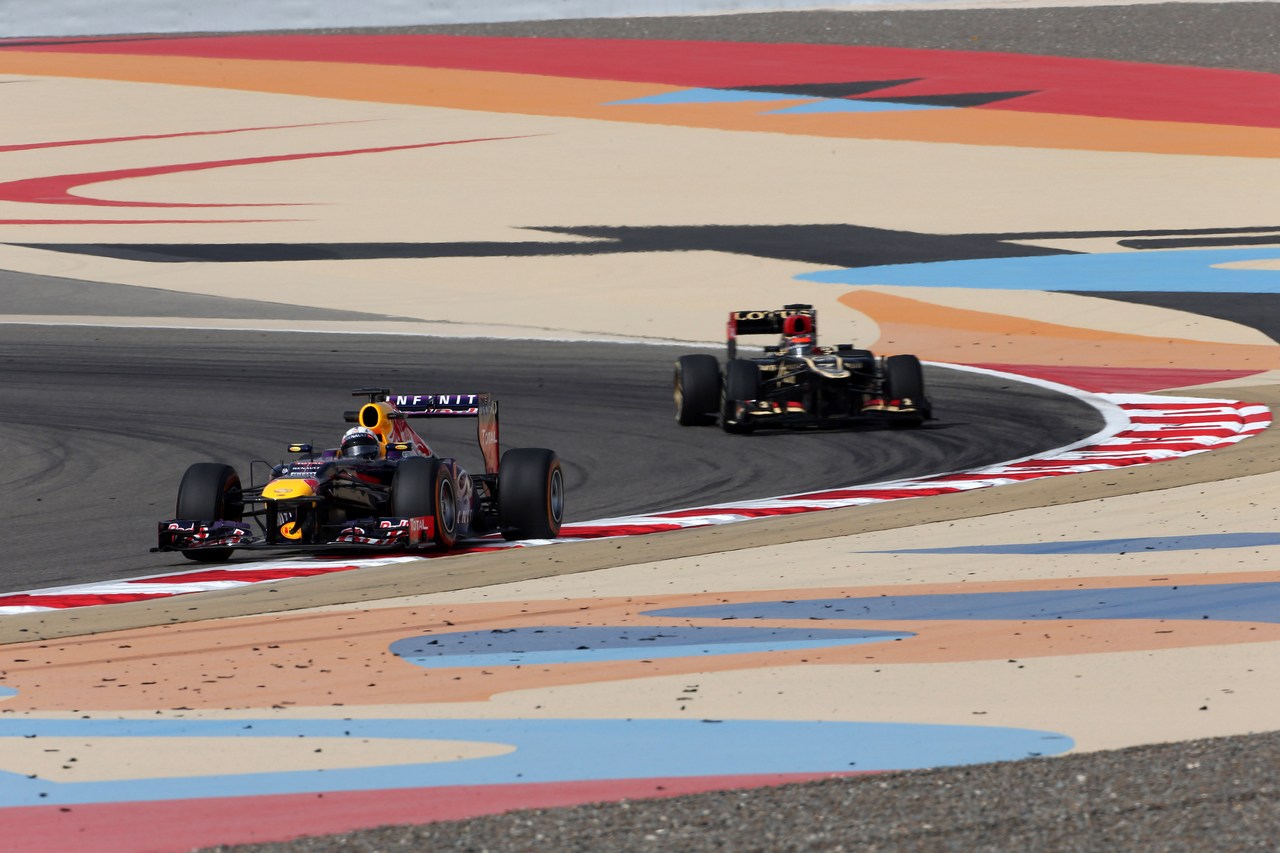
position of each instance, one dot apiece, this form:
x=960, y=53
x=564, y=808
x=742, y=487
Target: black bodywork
x=796, y=383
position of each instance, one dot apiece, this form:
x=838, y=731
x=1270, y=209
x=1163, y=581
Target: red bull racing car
x=383, y=488
x=797, y=383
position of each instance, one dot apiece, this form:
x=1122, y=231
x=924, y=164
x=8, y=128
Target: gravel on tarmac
x=1219, y=794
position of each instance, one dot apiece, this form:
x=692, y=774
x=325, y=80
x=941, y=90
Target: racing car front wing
x=365, y=533
x=795, y=412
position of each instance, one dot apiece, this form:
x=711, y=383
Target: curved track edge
x=1117, y=460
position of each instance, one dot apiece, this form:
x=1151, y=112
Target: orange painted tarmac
x=499, y=92
x=587, y=161
x=956, y=335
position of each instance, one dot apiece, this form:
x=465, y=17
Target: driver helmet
x=360, y=443
x=800, y=345
x=797, y=331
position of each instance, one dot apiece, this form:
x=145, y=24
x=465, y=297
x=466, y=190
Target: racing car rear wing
x=439, y=405
x=384, y=406
x=766, y=323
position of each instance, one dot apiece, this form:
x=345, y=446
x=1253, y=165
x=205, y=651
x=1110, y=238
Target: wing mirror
x=299, y=448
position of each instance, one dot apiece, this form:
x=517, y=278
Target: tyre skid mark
x=1141, y=430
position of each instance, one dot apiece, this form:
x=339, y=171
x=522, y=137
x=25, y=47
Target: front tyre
x=741, y=382
x=210, y=491
x=422, y=486
x=697, y=389
x=904, y=384
x=530, y=494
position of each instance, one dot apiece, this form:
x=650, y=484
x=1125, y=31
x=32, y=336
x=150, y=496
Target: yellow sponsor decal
x=288, y=488
x=290, y=530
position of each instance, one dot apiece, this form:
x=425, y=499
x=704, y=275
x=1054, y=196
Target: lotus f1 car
x=797, y=383
x=383, y=489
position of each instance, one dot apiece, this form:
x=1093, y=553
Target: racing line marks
x=1140, y=430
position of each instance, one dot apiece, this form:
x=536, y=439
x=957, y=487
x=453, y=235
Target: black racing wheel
x=697, y=389
x=904, y=380
x=210, y=491
x=741, y=382
x=530, y=494
x=422, y=487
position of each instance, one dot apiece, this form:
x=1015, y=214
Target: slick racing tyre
x=210, y=491
x=697, y=389
x=530, y=494
x=741, y=382
x=904, y=380
x=422, y=487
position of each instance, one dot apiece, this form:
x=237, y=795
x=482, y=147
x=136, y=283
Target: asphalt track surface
x=1209, y=35
x=1218, y=794
x=134, y=407
x=1195, y=796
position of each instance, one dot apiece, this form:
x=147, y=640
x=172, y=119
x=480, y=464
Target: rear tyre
x=904, y=380
x=741, y=382
x=530, y=494
x=697, y=389
x=210, y=491
x=422, y=487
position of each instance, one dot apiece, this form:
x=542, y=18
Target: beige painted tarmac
x=1105, y=687
x=504, y=189
x=71, y=760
